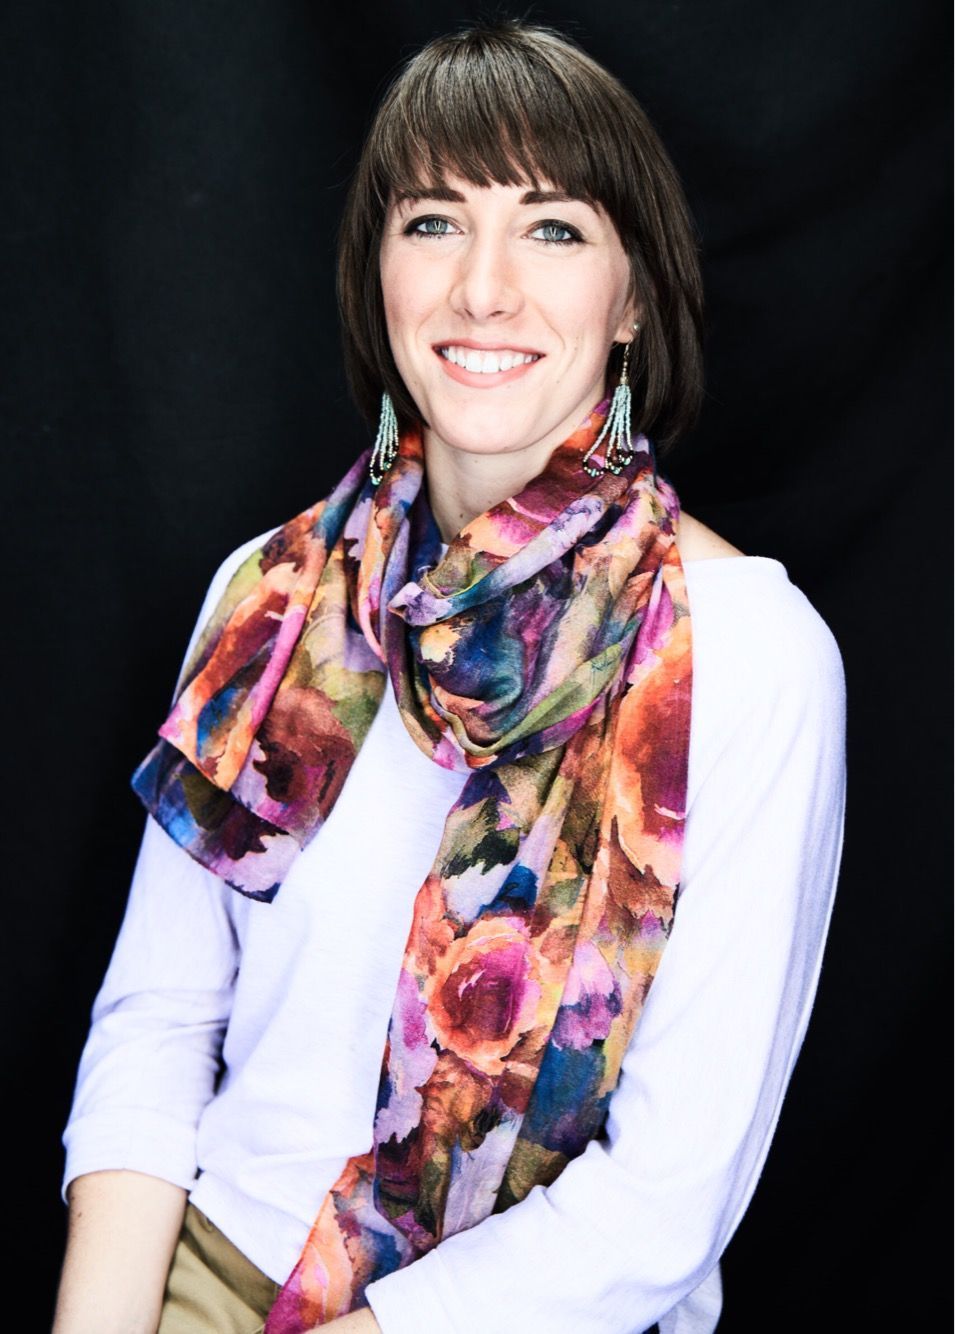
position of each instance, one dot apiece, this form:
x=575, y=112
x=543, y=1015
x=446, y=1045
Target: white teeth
x=486, y=363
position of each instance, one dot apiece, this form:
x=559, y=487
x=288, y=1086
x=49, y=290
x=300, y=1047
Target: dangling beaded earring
x=617, y=425
x=386, y=441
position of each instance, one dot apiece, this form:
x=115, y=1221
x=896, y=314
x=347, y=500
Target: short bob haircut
x=516, y=104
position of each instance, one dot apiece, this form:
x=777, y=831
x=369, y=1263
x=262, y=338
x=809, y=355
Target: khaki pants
x=212, y=1287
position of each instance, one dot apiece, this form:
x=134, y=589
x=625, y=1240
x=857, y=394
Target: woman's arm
x=123, y=1228
x=147, y=1070
x=637, y=1223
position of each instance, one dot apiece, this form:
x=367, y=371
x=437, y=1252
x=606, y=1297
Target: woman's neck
x=461, y=486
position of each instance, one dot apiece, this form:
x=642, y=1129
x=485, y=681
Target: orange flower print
x=485, y=992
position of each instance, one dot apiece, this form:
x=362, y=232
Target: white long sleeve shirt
x=291, y=1001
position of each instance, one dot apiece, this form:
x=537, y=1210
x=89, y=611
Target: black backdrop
x=172, y=386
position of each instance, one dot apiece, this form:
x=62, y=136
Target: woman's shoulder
x=233, y=561
x=242, y=552
x=763, y=655
x=758, y=615
x=219, y=582
x=769, y=692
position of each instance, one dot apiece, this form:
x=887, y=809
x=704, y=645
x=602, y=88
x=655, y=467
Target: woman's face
x=493, y=276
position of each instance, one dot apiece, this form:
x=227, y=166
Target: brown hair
x=510, y=103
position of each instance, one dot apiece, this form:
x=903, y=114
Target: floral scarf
x=547, y=653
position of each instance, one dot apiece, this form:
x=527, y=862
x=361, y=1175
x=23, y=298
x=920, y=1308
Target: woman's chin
x=490, y=429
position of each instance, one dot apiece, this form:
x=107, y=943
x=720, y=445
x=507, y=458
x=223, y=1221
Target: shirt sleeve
x=151, y=1057
x=638, y=1222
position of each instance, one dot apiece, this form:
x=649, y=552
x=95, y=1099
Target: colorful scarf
x=548, y=654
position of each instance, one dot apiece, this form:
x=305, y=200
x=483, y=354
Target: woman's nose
x=486, y=281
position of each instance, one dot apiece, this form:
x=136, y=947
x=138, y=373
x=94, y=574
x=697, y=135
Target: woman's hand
x=357, y=1322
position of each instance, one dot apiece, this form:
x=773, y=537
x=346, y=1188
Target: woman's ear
x=633, y=314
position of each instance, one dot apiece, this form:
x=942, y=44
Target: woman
x=446, y=752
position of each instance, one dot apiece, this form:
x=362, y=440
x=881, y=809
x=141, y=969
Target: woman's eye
x=554, y=233
x=569, y=237
x=430, y=225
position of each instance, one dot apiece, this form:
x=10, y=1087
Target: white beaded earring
x=617, y=426
x=386, y=442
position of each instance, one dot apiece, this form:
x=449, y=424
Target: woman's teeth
x=487, y=363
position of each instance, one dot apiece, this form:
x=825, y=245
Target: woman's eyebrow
x=552, y=197
x=432, y=192
x=448, y=196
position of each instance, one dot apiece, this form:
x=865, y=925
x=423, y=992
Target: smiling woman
x=404, y=1029
x=485, y=275
x=516, y=199
x=484, y=296
x=539, y=115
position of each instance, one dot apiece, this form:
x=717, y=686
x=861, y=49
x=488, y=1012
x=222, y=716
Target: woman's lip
x=477, y=379
x=488, y=347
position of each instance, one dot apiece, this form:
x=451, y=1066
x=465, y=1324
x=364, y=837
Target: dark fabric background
x=172, y=386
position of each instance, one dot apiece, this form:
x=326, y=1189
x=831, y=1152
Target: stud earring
x=617, y=426
x=386, y=442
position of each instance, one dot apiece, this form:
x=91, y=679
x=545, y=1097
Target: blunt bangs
x=509, y=104
x=462, y=119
